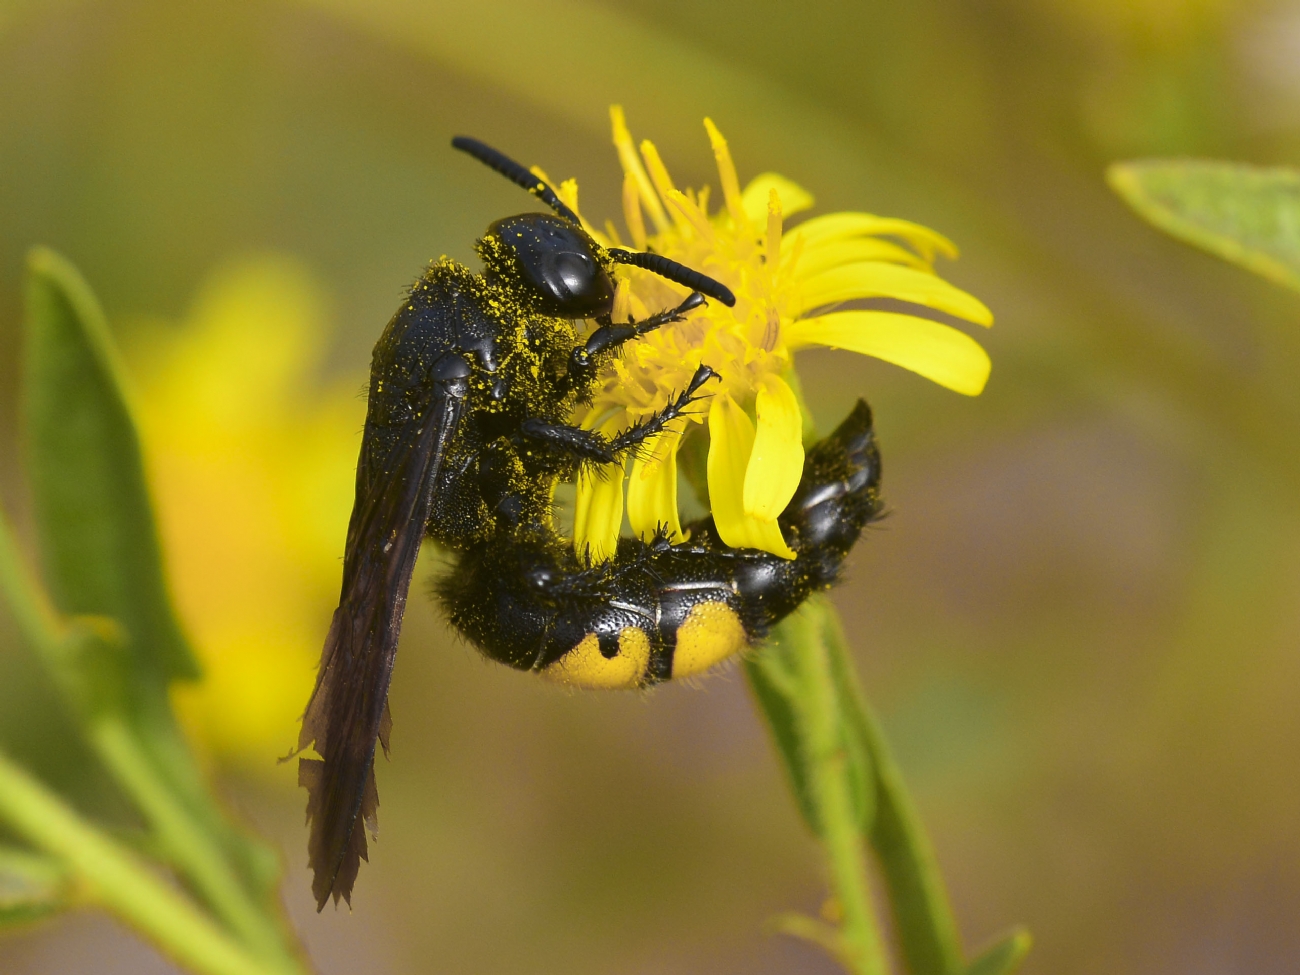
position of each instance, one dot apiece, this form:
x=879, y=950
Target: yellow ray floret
x=652, y=490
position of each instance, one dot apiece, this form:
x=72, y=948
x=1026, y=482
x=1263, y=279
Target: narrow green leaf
x=1245, y=214
x=923, y=918
x=1004, y=957
x=825, y=936
x=117, y=879
x=98, y=540
x=99, y=543
x=31, y=887
x=32, y=609
x=84, y=656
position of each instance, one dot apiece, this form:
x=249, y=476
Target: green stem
x=852, y=793
x=115, y=878
x=927, y=929
x=186, y=844
x=832, y=792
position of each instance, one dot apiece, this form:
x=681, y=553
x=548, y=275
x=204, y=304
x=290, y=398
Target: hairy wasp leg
x=583, y=444
x=593, y=446
x=654, y=424
x=611, y=336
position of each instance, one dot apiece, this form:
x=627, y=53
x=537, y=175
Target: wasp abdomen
x=658, y=611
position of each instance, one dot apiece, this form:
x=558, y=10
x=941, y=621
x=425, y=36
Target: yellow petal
x=704, y=200
x=831, y=253
x=938, y=352
x=568, y=193
x=598, y=513
x=727, y=175
x=622, y=310
x=631, y=162
x=772, y=242
x=731, y=441
x=632, y=212
x=776, y=462
x=794, y=198
x=663, y=183
x=874, y=279
x=842, y=225
x=652, y=489
x=683, y=204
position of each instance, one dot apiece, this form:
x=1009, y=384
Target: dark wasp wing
x=348, y=711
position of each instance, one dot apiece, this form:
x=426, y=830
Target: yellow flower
x=789, y=286
x=251, y=468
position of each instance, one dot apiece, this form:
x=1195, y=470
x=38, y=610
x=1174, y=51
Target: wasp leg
x=583, y=362
x=593, y=446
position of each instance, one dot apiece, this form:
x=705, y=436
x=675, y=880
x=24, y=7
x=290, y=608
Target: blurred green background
x=1081, y=621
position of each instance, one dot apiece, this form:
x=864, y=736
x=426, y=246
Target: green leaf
x=98, y=541
x=1245, y=214
x=1004, y=957
x=31, y=887
x=111, y=876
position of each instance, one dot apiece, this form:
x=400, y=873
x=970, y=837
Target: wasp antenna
x=673, y=271
x=514, y=172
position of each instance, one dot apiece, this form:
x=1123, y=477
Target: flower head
x=790, y=286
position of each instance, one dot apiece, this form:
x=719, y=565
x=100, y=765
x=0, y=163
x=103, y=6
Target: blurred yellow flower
x=252, y=468
x=788, y=286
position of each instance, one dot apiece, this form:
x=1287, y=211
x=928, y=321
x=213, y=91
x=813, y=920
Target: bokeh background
x=1081, y=622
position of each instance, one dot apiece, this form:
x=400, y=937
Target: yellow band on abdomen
x=712, y=632
x=586, y=666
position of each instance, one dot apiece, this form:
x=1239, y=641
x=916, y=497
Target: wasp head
x=550, y=264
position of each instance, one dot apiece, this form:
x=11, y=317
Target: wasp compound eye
x=572, y=273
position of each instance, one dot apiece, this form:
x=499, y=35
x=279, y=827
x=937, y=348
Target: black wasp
x=472, y=387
